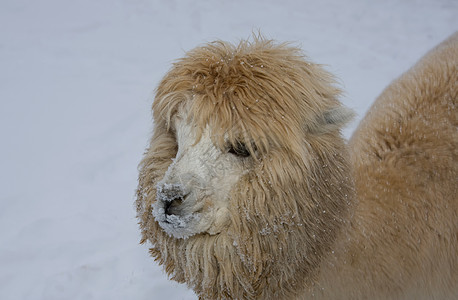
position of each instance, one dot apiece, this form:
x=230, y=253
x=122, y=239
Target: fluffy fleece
x=304, y=218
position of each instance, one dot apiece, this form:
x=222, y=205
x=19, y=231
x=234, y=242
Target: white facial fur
x=202, y=177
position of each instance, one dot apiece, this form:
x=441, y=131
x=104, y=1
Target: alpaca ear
x=338, y=116
x=333, y=119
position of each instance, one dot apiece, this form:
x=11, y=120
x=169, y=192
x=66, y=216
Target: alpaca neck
x=338, y=271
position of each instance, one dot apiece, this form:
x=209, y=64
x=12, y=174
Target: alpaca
x=248, y=190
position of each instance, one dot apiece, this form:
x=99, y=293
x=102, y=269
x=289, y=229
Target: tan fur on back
x=308, y=219
x=405, y=158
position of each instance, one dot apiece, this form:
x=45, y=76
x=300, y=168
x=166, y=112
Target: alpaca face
x=193, y=196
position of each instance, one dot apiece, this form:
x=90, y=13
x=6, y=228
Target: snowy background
x=76, y=85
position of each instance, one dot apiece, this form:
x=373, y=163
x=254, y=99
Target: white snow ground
x=76, y=84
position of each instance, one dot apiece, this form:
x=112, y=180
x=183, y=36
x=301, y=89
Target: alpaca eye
x=239, y=149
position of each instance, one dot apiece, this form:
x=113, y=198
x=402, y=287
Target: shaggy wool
x=313, y=216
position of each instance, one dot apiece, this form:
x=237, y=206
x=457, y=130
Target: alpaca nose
x=171, y=196
x=172, y=207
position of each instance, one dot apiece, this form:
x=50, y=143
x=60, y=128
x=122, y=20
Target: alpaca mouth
x=172, y=208
x=179, y=226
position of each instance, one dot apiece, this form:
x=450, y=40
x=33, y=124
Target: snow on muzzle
x=178, y=209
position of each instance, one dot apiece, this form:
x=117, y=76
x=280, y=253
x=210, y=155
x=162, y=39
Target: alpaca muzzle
x=174, y=212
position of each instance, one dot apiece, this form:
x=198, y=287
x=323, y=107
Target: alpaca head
x=245, y=183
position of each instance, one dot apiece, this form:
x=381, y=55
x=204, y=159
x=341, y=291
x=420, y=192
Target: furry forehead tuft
x=257, y=92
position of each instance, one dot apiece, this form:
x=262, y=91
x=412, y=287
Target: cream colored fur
x=299, y=215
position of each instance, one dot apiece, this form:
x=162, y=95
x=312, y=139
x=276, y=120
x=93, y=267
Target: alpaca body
x=402, y=242
x=248, y=190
